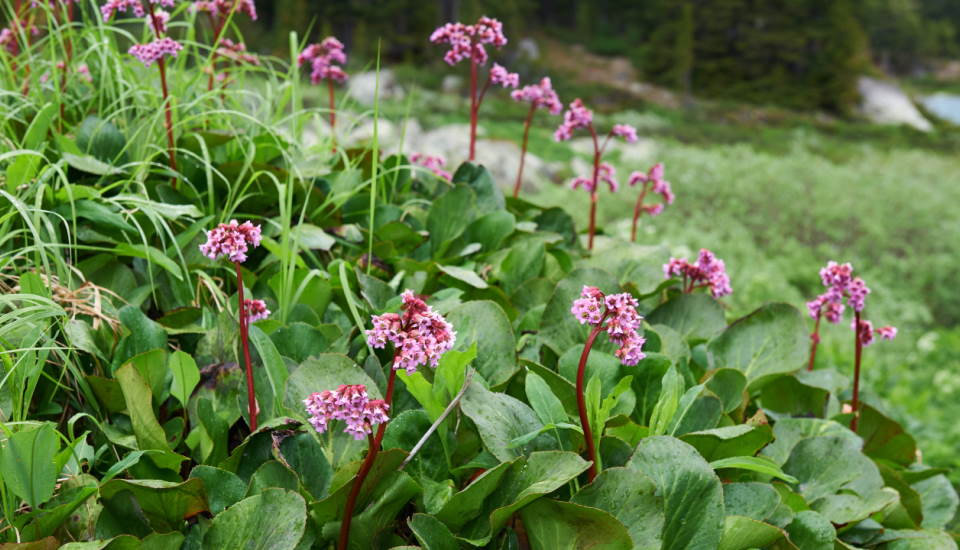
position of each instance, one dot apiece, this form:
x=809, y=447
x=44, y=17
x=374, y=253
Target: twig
x=443, y=416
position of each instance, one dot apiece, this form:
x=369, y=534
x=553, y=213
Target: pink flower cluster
x=323, y=59
x=434, y=163
x=236, y=52
x=576, y=116
x=8, y=41
x=418, y=333
x=222, y=7
x=866, y=333
x=627, y=132
x=541, y=95
x=500, y=76
x=149, y=53
x=708, y=271
x=661, y=187
x=231, y=240
x=255, y=310
x=617, y=315
x=605, y=173
x=840, y=283
x=113, y=6
x=467, y=41
x=350, y=404
x=159, y=22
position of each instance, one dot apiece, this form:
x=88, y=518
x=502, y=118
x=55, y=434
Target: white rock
x=452, y=84
x=362, y=87
x=527, y=48
x=885, y=103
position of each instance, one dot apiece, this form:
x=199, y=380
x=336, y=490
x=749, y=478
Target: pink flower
x=467, y=41
x=231, y=240
x=653, y=209
x=836, y=275
x=708, y=271
x=222, y=7
x=864, y=332
x=350, y=404
x=323, y=58
x=576, y=116
x=8, y=41
x=113, y=6
x=500, y=76
x=160, y=20
x=153, y=51
x=887, y=332
x=617, y=315
x=419, y=335
x=857, y=291
x=236, y=52
x=608, y=174
x=255, y=310
x=434, y=163
x=541, y=95
x=627, y=132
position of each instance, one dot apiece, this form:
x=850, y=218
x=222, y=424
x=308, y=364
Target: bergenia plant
x=616, y=315
x=324, y=59
x=652, y=181
x=434, y=163
x=419, y=336
x=219, y=13
x=578, y=116
x=153, y=52
x=233, y=240
x=842, y=285
x=467, y=42
x=540, y=96
x=707, y=272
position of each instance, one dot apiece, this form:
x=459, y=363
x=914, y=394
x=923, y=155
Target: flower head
x=467, y=41
x=323, y=59
x=887, y=332
x=541, y=95
x=627, y=132
x=617, y=315
x=236, y=52
x=434, y=163
x=419, y=335
x=156, y=50
x=113, y=6
x=840, y=283
x=222, y=8
x=500, y=76
x=231, y=240
x=708, y=271
x=857, y=291
x=350, y=404
x=255, y=310
x=576, y=116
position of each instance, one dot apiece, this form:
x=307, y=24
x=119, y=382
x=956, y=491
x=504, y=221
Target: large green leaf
x=501, y=419
x=449, y=215
x=696, y=317
x=740, y=533
x=467, y=504
x=223, y=488
x=27, y=463
x=490, y=229
x=431, y=533
x=737, y=440
x=939, y=500
x=523, y=262
x=884, y=438
x=273, y=520
x=163, y=505
x=556, y=525
x=149, y=433
x=485, y=324
x=527, y=480
x=770, y=341
x=631, y=497
x=691, y=491
x=145, y=335
x=186, y=376
x=811, y=531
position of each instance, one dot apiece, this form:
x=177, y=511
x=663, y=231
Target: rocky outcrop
x=885, y=103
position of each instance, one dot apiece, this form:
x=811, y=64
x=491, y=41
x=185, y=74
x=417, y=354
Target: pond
x=944, y=105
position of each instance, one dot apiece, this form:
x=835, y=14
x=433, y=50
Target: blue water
x=944, y=105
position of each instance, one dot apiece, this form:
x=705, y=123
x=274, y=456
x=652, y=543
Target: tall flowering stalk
x=233, y=241
x=219, y=12
x=652, y=181
x=616, y=315
x=541, y=96
x=468, y=42
x=842, y=285
x=707, y=272
x=578, y=116
x=323, y=59
x=419, y=336
x=153, y=52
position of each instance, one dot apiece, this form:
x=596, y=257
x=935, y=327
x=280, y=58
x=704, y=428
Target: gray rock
x=885, y=103
x=362, y=87
x=527, y=48
x=452, y=84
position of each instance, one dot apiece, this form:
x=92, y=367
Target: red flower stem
x=582, y=401
x=217, y=29
x=523, y=149
x=365, y=467
x=637, y=210
x=244, y=340
x=168, y=113
x=594, y=198
x=25, y=31
x=474, y=108
x=333, y=104
x=858, y=351
x=814, y=340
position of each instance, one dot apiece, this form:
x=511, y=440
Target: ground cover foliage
x=124, y=402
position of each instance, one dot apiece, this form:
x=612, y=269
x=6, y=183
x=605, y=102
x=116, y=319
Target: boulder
x=885, y=103
x=362, y=87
